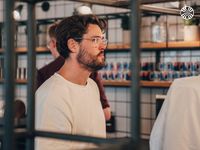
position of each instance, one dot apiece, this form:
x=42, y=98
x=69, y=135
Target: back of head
x=19, y=109
x=52, y=30
x=75, y=27
x=52, y=41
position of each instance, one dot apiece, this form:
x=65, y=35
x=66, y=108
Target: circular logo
x=187, y=12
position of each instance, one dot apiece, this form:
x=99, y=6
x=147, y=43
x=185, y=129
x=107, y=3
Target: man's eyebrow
x=98, y=36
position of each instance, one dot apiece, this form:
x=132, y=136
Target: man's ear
x=72, y=45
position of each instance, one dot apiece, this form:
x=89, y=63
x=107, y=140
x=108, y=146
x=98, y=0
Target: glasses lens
x=101, y=40
x=105, y=41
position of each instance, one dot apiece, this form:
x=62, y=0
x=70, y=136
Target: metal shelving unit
x=30, y=133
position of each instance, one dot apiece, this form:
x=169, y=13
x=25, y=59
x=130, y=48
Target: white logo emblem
x=187, y=12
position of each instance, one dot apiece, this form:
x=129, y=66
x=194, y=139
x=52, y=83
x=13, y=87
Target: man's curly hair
x=75, y=27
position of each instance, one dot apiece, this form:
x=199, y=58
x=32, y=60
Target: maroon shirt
x=47, y=71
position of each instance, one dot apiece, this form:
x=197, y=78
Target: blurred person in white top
x=177, y=126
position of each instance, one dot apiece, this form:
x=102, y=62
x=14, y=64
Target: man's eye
x=95, y=40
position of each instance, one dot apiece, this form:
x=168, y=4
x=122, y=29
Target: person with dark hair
x=69, y=101
x=47, y=71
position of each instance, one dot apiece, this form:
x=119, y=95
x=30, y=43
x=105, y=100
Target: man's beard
x=90, y=62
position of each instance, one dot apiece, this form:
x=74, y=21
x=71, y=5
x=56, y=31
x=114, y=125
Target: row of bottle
x=166, y=72
x=171, y=66
x=121, y=71
x=165, y=75
x=116, y=71
x=21, y=73
x=152, y=66
x=147, y=75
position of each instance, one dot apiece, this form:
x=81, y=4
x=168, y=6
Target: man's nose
x=102, y=46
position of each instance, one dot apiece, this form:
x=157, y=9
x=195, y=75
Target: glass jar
x=159, y=33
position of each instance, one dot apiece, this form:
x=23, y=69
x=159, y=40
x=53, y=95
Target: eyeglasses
x=95, y=40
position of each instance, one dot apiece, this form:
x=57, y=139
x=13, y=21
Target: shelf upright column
x=31, y=25
x=157, y=61
x=8, y=138
x=135, y=69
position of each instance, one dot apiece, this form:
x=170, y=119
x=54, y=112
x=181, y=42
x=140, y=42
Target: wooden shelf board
x=116, y=83
x=21, y=81
x=184, y=44
x=175, y=44
x=42, y=49
x=21, y=50
x=18, y=81
x=153, y=45
x=38, y=49
x=114, y=46
x=118, y=46
x=24, y=49
x=164, y=84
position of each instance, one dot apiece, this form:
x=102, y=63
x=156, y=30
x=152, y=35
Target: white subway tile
x=121, y=124
x=121, y=109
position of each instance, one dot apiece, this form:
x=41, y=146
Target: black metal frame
x=8, y=138
x=30, y=133
x=52, y=20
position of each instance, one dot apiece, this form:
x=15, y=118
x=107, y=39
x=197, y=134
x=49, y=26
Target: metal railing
x=30, y=133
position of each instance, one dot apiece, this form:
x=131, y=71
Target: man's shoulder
x=191, y=82
x=54, y=84
x=91, y=82
x=51, y=90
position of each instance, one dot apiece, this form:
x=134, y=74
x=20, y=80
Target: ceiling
x=122, y=3
x=115, y=3
x=145, y=7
